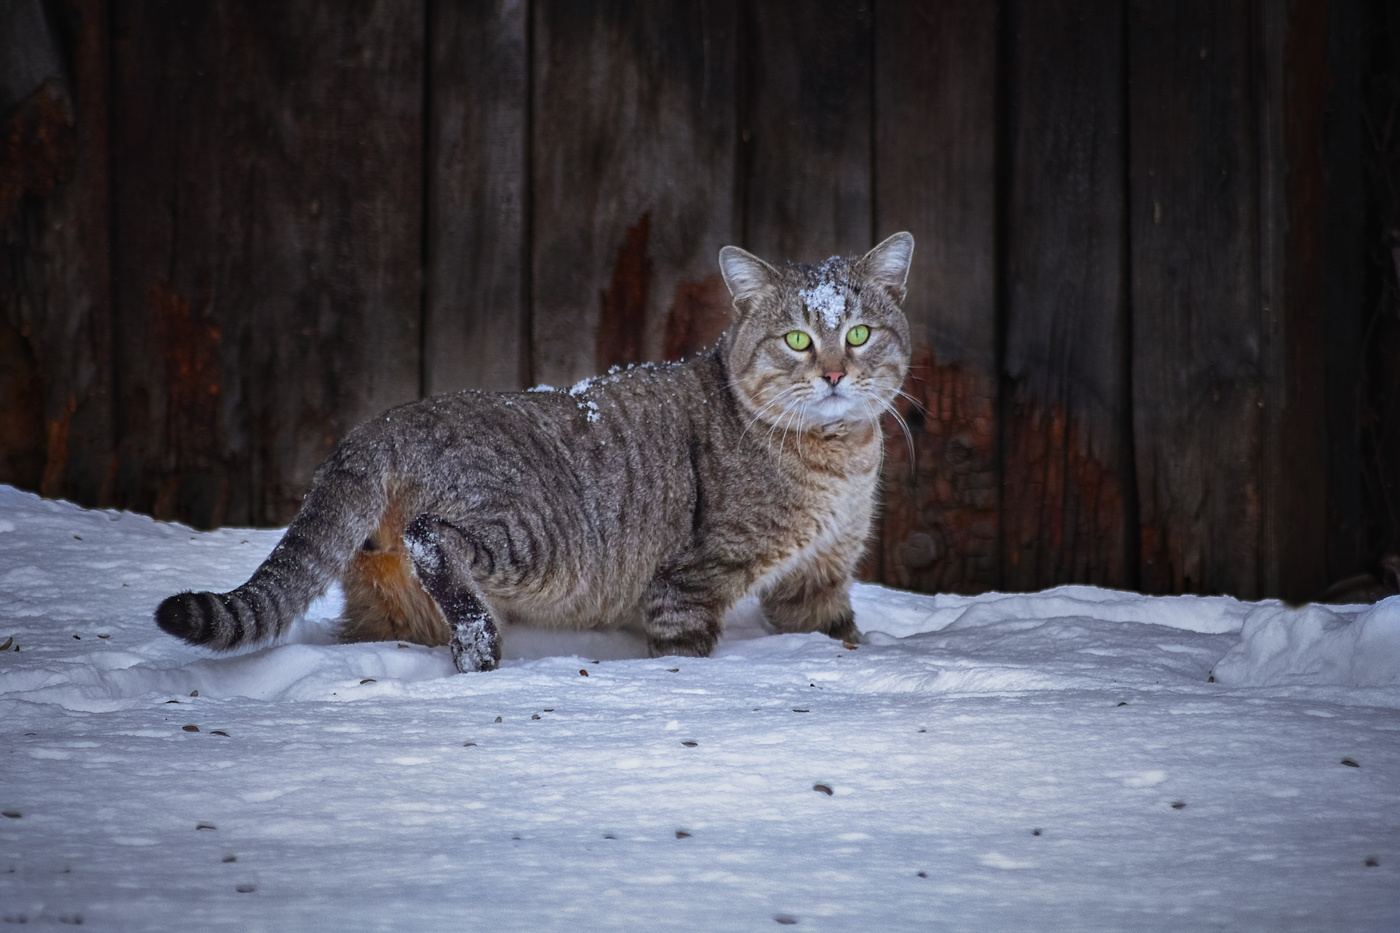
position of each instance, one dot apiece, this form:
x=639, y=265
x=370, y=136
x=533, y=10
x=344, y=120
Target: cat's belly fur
x=834, y=518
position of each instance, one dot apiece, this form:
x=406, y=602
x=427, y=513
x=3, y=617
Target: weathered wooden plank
x=267, y=194
x=55, y=405
x=1292, y=79
x=935, y=142
x=476, y=320
x=1067, y=482
x=1197, y=324
x=633, y=165
x=807, y=180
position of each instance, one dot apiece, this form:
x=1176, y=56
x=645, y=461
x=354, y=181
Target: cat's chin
x=835, y=408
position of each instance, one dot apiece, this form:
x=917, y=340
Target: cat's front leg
x=686, y=602
x=441, y=559
x=814, y=598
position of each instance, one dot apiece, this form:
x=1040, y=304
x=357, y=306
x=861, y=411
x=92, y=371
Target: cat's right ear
x=744, y=273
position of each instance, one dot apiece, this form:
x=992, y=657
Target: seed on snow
x=190, y=728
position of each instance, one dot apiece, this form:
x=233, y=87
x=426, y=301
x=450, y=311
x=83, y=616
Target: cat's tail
x=346, y=501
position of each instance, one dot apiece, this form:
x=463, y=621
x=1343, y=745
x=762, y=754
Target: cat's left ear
x=887, y=265
x=744, y=273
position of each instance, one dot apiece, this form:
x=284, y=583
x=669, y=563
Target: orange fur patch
x=383, y=599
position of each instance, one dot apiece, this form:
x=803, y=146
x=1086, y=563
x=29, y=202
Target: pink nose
x=834, y=378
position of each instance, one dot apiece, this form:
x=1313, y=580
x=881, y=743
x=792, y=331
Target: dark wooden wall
x=1153, y=301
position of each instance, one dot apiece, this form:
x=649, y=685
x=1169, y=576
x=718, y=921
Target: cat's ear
x=744, y=273
x=887, y=265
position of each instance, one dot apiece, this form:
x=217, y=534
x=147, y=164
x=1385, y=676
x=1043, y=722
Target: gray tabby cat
x=657, y=493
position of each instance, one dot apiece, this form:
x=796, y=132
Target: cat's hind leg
x=814, y=598
x=441, y=556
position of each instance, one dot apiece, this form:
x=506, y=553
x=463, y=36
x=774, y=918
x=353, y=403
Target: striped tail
x=344, y=505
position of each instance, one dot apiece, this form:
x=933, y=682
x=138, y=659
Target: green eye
x=857, y=335
x=797, y=340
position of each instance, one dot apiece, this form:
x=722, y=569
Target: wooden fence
x=238, y=228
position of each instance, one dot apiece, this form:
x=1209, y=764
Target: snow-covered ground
x=1057, y=761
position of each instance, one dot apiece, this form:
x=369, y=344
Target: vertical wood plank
x=267, y=193
x=633, y=167
x=1197, y=326
x=55, y=402
x=807, y=187
x=935, y=145
x=476, y=318
x=1065, y=467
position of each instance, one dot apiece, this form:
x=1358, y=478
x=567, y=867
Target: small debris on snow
x=206, y=826
x=190, y=728
x=1179, y=805
x=785, y=919
x=368, y=680
x=682, y=834
x=690, y=744
x=822, y=788
x=1349, y=763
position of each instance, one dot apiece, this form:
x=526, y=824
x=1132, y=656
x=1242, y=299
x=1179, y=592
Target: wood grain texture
x=1065, y=466
x=935, y=144
x=56, y=404
x=1197, y=324
x=267, y=195
x=807, y=123
x=633, y=168
x=476, y=315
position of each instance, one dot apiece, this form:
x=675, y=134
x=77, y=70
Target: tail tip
x=180, y=615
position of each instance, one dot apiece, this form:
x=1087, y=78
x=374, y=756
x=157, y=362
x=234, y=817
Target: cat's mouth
x=835, y=403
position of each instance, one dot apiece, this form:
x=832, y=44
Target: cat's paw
x=697, y=644
x=476, y=644
x=844, y=629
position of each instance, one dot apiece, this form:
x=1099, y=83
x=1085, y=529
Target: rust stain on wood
x=699, y=313
x=56, y=450
x=940, y=518
x=39, y=148
x=623, y=313
x=1062, y=507
x=189, y=348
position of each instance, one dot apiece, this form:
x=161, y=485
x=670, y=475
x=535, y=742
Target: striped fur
x=656, y=494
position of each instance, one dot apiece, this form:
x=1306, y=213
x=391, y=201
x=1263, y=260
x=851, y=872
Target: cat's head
x=818, y=344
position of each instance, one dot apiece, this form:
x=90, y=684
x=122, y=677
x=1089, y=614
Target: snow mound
x=1316, y=645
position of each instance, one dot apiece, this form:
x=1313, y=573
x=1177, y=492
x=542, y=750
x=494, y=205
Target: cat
x=656, y=493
